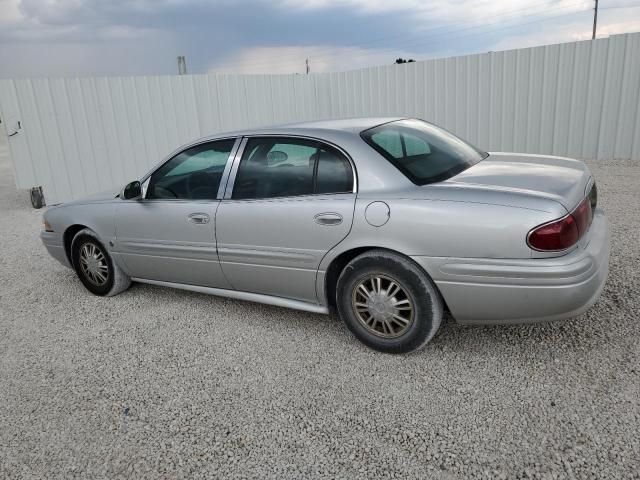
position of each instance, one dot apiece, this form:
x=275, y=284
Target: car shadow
x=581, y=333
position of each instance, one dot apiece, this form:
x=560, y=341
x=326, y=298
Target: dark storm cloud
x=111, y=37
x=204, y=31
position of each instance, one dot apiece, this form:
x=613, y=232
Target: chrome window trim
x=144, y=185
x=234, y=169
x=178, y=200
x=288, y=197
x=227, y=168
x=184, y=148
x=238, y=157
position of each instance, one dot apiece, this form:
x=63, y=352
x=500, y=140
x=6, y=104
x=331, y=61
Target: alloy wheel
x=93, y=264
x=382, y=305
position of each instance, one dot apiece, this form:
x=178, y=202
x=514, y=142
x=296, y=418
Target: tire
x=401, y=322
x=111, y=280
x=37, y=197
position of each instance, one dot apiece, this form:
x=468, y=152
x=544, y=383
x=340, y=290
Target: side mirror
x=131, y=191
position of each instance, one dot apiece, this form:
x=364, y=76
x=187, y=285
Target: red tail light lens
x=558, y=235
x=563, y=233
x=583, y=214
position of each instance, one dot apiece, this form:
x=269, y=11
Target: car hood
x=104, y=196
x=561, y=179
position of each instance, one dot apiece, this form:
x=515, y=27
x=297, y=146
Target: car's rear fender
x=481, y=290
x=438, y=228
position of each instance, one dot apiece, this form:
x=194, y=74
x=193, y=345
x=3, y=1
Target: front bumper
x=494, y=291
x=55, y=246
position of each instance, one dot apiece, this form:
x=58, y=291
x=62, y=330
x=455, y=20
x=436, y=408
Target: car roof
x=350, y=125
x=354, y=125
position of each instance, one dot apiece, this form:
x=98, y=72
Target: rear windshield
x=423, y=152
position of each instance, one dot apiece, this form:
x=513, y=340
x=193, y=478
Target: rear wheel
x=388, y=302
x=95, y=268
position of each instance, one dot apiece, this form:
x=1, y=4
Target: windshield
x=423, y=152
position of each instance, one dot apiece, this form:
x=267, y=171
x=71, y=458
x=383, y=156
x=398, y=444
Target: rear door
x=169, y=235
x=288, y=202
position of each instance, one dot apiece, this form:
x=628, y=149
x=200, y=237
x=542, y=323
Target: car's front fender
x=98, y=217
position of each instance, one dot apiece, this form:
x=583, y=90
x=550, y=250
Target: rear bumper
x=55, y=246
x=487, y=291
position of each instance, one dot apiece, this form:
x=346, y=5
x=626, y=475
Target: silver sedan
x=388, y=221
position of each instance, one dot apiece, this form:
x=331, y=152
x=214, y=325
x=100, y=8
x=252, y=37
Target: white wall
x=83, y=135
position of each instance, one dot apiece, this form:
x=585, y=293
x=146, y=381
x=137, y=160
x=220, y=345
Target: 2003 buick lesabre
x=388, y=220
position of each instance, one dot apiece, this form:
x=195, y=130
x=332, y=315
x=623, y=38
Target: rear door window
x=333, y=172
x=273, y=167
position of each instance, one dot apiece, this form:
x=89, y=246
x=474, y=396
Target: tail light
x=564, y=232
x=593, y=196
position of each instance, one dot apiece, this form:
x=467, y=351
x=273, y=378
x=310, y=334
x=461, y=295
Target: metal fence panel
x=78, y=136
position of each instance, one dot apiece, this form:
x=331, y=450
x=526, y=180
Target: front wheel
x=388, y=302
x=95, y=268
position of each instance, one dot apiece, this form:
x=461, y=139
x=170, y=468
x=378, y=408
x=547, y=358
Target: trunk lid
x=564, y=180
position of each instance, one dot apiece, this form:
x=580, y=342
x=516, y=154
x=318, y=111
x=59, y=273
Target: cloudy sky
x=134, y=37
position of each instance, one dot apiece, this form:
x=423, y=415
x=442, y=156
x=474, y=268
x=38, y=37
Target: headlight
x=47, y=226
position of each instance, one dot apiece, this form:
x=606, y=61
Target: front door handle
x=328, y=218
x=199, y=218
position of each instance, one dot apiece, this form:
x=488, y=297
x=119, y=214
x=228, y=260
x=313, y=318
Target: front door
x=292, y=201
x=169, y=235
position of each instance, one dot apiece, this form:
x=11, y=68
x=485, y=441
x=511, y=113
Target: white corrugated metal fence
x=77, y=136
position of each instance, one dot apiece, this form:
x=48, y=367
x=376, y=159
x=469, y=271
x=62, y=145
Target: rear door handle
x=199, y=218
x=328, y=218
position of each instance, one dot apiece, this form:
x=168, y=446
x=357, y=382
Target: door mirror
x=132, y=191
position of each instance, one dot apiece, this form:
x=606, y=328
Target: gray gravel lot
x=159, y=383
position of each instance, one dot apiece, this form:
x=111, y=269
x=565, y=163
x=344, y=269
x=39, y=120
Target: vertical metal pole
x=182, y=65
x=595, y=21
x=306, y=62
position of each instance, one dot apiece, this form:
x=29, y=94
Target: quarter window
x=277, y=167
x=194, y=174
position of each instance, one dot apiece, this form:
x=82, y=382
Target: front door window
x=194, y=174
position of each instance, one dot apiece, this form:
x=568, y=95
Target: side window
x=277, y=167
x=296, y=155
x=334, y=173
x=273, y=167
x=194, y=174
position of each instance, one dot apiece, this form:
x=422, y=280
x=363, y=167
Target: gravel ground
x=158, y=383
